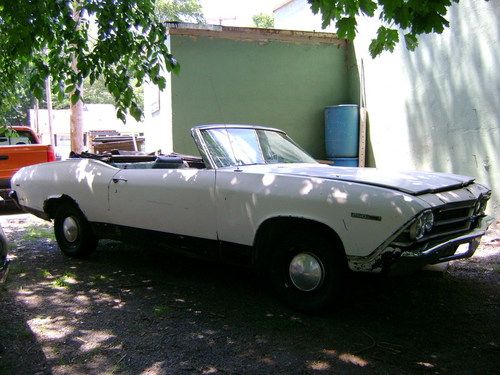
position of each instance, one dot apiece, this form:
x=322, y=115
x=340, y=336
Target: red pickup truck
x=18, y=149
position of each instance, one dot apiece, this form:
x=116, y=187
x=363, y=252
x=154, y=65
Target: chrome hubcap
x=306, y=272
x=70, y=229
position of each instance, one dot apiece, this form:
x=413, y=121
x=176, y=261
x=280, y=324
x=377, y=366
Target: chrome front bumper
x=438, y=253
x=395, y=260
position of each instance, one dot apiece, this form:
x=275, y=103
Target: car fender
x=363, y=216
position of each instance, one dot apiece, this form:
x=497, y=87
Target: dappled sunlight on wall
x=452, y=113
x=437, y=108
x=385, y=84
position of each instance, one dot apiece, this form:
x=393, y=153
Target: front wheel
x=73, y=232
x=308, y=271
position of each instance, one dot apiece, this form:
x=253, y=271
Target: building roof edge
x=252, y=33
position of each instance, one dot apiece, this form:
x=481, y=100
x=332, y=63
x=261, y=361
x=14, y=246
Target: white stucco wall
x=436, y=108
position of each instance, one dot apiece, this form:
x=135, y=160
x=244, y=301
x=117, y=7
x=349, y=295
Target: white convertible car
x=255, y=197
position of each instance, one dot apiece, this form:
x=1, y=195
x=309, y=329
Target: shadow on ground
x=138, y=310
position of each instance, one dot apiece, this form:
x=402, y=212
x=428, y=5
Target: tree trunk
x=76, y=116
x=76, y=125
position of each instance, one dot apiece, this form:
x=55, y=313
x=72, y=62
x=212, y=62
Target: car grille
x=449, y=219
x=453, y=218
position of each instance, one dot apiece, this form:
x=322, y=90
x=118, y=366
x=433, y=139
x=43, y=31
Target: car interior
x=132, y=160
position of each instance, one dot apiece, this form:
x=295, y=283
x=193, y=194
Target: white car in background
x=255, y=197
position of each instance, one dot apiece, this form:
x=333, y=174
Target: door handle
x=4, y=157
x=118, y=179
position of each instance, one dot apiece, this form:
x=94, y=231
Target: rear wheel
x=73, y=232
x=308, y=271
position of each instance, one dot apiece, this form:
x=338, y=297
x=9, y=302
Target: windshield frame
x=208, y=158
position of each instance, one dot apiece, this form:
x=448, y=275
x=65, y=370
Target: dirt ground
x=138, y=310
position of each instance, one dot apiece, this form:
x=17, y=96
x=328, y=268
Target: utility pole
x=49, y=109
x=37, y=119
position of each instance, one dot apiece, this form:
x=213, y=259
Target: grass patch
x=37, y=233
x=45, y=273
x=161, y=310
x=65, y=281
x=16, y=269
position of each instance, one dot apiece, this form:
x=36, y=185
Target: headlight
x=477, y=207
x=423, y=223
x=480, y=207
x=417, y=229
x=428, y=218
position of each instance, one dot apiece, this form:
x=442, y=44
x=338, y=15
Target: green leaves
x=367, y=7
x=262, y=20
x=346, y=28
x=75, y=97
x=121, y=41
x=386, y=40
x=135, y=111
x=411, y=41
x=179, y=10
x=412, y=17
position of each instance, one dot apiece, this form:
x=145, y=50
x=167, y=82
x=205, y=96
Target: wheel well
x=271, y=231
x=50, y=205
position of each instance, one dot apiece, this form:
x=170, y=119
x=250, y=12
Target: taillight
x=51, y=155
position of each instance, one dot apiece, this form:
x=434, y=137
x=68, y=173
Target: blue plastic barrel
x=342, y=131
x=344, y=162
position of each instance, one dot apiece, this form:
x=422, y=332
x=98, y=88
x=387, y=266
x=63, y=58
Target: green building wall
x=282, y=84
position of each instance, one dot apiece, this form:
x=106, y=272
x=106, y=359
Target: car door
x=178, y=201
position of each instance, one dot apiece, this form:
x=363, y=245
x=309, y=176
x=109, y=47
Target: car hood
x=411, y=182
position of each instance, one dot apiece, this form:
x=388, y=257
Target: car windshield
x=245, y=146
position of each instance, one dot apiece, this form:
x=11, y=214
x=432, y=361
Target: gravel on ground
x=135, y=309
